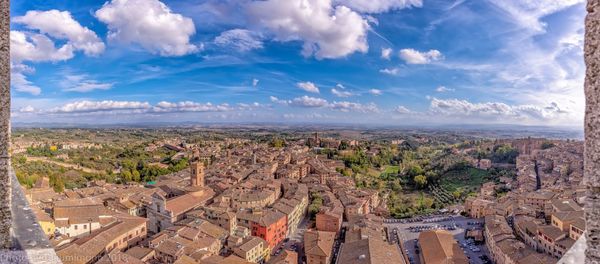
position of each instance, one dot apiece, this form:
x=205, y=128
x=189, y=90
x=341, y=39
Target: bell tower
x=197, y=171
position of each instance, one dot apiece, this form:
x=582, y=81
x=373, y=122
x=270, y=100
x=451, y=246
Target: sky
x=386, y=62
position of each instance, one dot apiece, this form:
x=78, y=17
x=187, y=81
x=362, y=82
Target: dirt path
x=66, y=165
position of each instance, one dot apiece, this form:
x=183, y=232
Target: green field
x=469, y=179
x=392, y=169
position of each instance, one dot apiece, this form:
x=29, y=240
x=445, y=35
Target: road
x=67, y=165
x=295, y=240
x=408, y=238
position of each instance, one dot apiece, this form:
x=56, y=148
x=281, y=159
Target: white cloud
x=61, y=25
x=279, y=101
x=386, y=53
x=100, y=106
x=255, y=82
x=149, y=23
x=137, y=107
x=27, y=109
x=307, y=101
x=354, y=107
x=379, y=6
x=29, y=46
x=189, y=106
x=402, y=110
x=252, y=106
x=240, y=39
x=314, y=102
x=527, y=14
x=36, y=47
x=327, y=31
x=390, y=71
x=82, y=83
x=341, y=93
x=308, y=86
x=376, y=92
x=498, y=112
x=412, y=56
x=443, y=89
x=19, y=81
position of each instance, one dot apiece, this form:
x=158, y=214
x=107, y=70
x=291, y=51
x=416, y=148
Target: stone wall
x=5, y=214
x=592, y=128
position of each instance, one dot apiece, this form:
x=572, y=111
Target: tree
x=420, y=181
x=277, y=143
x=315, y=205
x=427, y=202
x=547, y=145
x=126, y=176
x=136, y=177
x=415, y=170
x=457, y=194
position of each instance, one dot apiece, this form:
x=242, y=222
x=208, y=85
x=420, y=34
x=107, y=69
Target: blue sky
x=391, y=62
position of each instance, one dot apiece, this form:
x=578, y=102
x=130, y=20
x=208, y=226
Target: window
x=75, y=227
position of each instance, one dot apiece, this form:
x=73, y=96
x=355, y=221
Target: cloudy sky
x=390, y=62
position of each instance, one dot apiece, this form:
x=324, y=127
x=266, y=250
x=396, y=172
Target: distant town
x=331, y=196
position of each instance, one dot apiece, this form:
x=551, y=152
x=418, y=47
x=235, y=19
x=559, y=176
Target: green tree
x=457, y=194
x=415, y=170
x=547, y=144
x=135, y=176
x=420, y=181
x=428, y=202
x=126, y=176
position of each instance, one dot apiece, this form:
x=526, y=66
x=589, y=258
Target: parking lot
x=407, y=231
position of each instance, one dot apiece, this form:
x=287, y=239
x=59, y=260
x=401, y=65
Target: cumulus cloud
x=412, y=56
x=26, y=46
x=252, y=106
x=443, y=89
x=27, y=109
x=386, y=53
x=240, y=39
x=314, y=102
x=327, y=31
x=308, y=86
x=38, y=44
x=354, y=107
x=402, y=110
x=495, y=111
x=150, y=24
x=279, y=101
x=137, y=107
x=390, y=71
x=379, y=6
x=255, y=82
x=189, y=106
x=375, y=92
x=61, y=25
x=86, y=106
x=82, y=83
x=307, y=101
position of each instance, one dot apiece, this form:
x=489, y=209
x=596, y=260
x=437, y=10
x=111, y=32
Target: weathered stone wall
x=5, y=213
x=592, y=130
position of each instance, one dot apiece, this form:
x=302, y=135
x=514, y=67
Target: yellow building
x=254, y=250
x=46, y=222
